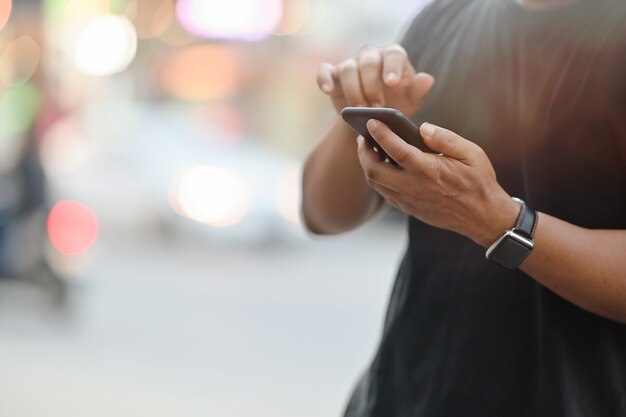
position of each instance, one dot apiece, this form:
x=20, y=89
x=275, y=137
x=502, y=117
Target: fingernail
x=326, y=88
x=427, y=129
x=372, y=124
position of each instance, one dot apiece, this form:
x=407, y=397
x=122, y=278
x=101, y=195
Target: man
x=522, y=98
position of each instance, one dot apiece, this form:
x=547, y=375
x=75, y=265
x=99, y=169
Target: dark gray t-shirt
x=544, y=94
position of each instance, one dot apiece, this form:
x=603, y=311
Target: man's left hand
x=455, y=189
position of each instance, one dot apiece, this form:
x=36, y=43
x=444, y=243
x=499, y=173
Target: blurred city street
x=192, y=328
x=152, y=258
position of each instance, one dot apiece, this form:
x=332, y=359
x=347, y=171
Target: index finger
x=395, y=60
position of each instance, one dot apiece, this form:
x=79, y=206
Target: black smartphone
x=401, y=125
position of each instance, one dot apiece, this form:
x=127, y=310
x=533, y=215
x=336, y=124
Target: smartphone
x=401, y=125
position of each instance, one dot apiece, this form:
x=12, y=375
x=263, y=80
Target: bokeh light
x=211, y=195
x=64, y=148
x=106, y=45
x=18, y=109
x=152, y=18
x=87, y=7
x=72, y=227
x=247, y=20
x=19, y=61
x=219, y=123
x=5, y=12
x=296, y=13
x=288, y=195
x=74, y=14
x=175, y=35
x=201, y=73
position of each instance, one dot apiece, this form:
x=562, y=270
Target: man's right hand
x=375, y=77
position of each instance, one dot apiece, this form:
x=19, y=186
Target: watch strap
x=515, y=245
x=526, y=220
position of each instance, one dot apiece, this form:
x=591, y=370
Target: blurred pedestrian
x=28, y=109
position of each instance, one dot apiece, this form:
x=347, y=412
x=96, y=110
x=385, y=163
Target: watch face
x=510, y=250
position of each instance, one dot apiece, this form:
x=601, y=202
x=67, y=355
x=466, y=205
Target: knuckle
x=477, y=150
x=348, y=65
x=324, y=67
x=370, y=54
x=367, y=48
x=354, y=98
x=434, y=172
x=371, y=175
x=402, y=156
x=396, y=48
x=370, y=61
x=479, y=154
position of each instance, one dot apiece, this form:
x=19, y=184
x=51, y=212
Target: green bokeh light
x=55, y=10
x=18, y=109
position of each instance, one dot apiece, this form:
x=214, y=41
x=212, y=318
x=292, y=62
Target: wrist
x=343, y=129
x=502, y=217
x=514, y=245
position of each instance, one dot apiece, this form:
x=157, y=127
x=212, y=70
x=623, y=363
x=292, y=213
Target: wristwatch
x=515, y=245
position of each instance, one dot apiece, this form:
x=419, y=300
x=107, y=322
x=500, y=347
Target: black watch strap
x=526, y=220
x=515, y=245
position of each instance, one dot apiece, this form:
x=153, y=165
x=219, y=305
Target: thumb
x=420, y=87
x=449, y=143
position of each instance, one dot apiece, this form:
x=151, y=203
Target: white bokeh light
x=212, y=195
x=247, y=20
x=106, y=45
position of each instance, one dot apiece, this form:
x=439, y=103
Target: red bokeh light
x=72, y=227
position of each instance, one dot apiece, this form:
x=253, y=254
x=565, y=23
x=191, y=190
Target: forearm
x=587, y=267
x=335, y=196
x=584, y=266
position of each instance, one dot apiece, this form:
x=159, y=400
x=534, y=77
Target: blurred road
x=177, y=327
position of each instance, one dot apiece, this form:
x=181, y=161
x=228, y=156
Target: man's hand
x=375, y=77
x=455, y=190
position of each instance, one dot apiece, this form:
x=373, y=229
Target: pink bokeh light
x=246, y=20
x=72, y=227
